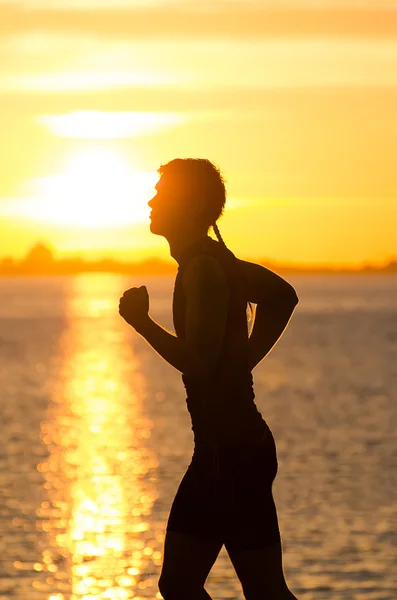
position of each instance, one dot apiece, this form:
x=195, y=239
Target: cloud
x=261, y=64
x=236, y=20
x=93, y=124
x=205, y=5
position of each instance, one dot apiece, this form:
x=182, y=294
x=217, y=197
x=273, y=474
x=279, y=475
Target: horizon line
x=43, y=254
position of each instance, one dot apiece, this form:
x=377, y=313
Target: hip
x=231, y=460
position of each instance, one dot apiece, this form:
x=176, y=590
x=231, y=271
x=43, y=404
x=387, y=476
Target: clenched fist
x=134, y=306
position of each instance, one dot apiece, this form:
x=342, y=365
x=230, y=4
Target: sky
x=294, y=100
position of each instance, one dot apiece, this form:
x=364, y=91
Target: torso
x=221, y=407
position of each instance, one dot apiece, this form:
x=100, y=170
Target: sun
x=95, y=189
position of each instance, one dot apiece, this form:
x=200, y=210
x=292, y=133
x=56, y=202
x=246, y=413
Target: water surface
x=95, y=437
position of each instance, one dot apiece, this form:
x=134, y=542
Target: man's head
x=190, y=195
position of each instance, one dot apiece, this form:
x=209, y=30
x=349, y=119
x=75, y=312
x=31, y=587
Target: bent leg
x=261, y=573
x=187, y=561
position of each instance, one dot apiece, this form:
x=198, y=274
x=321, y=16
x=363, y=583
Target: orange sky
x=293, y=99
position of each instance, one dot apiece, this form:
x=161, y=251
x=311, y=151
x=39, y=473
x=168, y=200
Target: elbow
x=293, y=297
x=283, y=303
x=288, y=303
x=285, y=296
x=290, y=298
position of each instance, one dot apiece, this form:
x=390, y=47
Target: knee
x=168, y=588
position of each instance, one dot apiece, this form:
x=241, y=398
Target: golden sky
x=294, y=100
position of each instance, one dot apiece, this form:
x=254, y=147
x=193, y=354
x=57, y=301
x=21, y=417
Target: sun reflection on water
x=100, y=493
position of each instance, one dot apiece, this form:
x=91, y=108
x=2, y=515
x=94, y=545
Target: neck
x=182, y=241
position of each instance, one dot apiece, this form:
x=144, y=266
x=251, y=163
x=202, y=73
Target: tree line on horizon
x=40, y=260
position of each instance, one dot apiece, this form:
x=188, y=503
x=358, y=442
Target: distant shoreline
x=148, y=268
x=40, y=260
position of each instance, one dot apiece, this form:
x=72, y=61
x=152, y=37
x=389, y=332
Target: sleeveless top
x=221, y=405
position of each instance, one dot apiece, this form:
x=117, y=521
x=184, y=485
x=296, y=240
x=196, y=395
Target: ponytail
x=218, y=235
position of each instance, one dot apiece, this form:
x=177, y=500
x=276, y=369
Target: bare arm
x=276, y=300
x=166, y=344
x=206, y=293
x=268, y=327
x=269, y=324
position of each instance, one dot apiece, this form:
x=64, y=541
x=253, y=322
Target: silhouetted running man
x=225, y=496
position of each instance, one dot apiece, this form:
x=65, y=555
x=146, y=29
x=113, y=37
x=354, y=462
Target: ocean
x=95, y=438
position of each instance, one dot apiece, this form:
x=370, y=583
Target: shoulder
x=203, y=271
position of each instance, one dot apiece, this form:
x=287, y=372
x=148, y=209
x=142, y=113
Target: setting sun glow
x=293, y=100
x=97, y=188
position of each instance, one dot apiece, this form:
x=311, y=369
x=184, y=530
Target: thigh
x=252, y=514
x=195, y=509
x=187, y=558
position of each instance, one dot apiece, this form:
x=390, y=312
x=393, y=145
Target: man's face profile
x=168, y=204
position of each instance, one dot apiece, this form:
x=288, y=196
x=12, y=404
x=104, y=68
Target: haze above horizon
x=294, y=102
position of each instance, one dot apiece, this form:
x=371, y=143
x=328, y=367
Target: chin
x=154, y=229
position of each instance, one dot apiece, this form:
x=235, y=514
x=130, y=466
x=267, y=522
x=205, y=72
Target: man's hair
x=199, y=175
